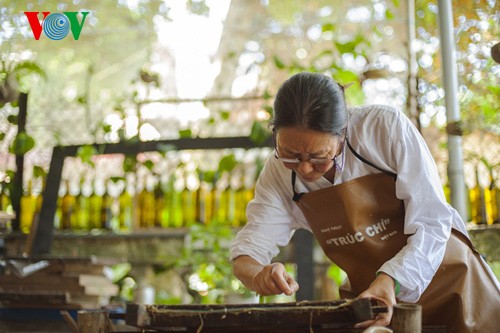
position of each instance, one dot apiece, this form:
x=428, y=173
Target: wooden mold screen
x=305, y=316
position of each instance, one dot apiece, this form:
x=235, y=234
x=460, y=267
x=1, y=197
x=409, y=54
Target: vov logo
x=56, y=26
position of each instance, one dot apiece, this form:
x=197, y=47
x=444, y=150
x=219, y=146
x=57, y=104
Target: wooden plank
x=53, y=279
x=77, y=289
x=109, y=290
x=278, y=315
x=34, y=297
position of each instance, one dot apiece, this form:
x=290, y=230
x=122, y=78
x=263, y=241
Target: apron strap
x=296, y=196
x=364, y=160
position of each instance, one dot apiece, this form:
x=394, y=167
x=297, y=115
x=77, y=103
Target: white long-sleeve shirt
x=387, y=138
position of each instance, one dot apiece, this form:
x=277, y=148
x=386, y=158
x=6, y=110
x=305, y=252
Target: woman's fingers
x=274, y=280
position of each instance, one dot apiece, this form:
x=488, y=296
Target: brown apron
x=359, y=224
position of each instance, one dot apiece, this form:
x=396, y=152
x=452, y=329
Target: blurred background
x=148, y=70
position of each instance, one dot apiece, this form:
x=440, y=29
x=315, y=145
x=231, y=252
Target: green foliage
x=476, y=26
x=23, y=70
x=39, y=172
x=259, y=133
x=186, y=133
x=129, y=163
x=85, y=153
x=336, y=274
x=22, y=144
x=227, y=163
x=205, y=260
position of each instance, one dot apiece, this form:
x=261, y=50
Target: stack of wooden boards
x=62, y=283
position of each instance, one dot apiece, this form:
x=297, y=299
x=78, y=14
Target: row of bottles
x=179, y=201
x=483, y=201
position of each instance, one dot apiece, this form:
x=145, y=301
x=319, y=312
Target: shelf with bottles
x=140, y=202
x=482, y=197
x=163, y=179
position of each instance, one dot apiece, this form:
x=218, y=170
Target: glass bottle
x=188, y=200
x=160, y=202
x=226, y=207
x=175, y=188
x=28, y=208
x=146, y=206
x=68, y=202
x=492, y=197
x=106, y=209
x=4, y=197
x=212, y=200
x=125, y=208
x=478, y=206
x=95, y=202
x=200, y=198
x=82, y=209
x=447, y=191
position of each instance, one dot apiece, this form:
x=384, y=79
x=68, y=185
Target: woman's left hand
x=382, y=291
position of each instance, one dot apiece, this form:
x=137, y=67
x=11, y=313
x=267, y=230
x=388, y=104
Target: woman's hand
x=266, y=280
x=273, y=279
x=382, y=291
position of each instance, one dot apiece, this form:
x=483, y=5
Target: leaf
x=225, y=115
x=269, y=109
x=345, y=77
x=119, y=271
x=278, y=62
x=186, y=133
x=350, y=47
x=345, y=47
x=259, y=133
x=116, y=179
x=336, y=274
x=208, y=176
x=328, y=27
x=389, y=15
x=494, y=90
x=2, y=136
x=85, y=153
x=107, y=128
x=129, y=163
x=12, y=119
x=22, y=144
x=227, y=163
x=38, y=171
x=28, y=68
x=148, y=164
x=266, y=95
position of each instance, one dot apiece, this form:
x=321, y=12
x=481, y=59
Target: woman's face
x=307, y=146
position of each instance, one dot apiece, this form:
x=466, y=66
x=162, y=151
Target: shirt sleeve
x=428, y=217
x=271, y=215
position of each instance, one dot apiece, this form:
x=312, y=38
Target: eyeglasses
x=319, y=162
x=295, y=161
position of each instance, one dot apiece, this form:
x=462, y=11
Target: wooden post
x=93, y=321
x=17, y=182
x=407, y=318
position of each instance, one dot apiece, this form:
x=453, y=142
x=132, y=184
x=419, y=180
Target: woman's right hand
x=273, y=279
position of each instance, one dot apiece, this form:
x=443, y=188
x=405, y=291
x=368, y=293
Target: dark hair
x=310, y=101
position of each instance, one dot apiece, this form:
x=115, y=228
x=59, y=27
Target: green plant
x=205, y=264
x=14, y=78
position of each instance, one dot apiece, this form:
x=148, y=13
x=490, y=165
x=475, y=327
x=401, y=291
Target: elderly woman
x=364, y=182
